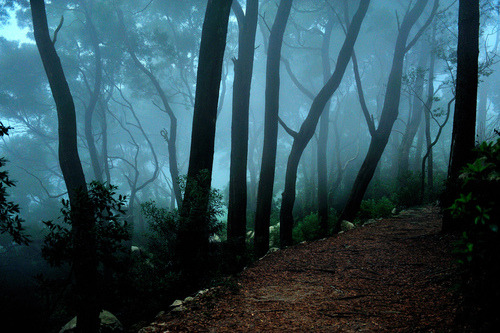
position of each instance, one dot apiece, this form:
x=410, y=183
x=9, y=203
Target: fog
x=125, y=139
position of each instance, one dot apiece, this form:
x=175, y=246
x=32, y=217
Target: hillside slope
x=393, y=275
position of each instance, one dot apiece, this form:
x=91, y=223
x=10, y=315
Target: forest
x=162, y=162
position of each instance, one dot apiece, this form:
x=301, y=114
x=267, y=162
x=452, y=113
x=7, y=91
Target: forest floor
x=394, y=275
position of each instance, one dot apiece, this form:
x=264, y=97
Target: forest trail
x=394, y=275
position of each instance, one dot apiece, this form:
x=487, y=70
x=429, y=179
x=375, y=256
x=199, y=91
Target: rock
x=176, y=303
x=394, y=211
x=188, y=299
x=370, y=221
x=109, y=324
x=346, y=226
x=273, y=249
x=201, y=292
x=179, y=309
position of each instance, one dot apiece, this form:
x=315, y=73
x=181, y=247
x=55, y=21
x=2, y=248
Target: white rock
x=109, y=323
x=346, y=225
x=176, y=303
x=188, y=299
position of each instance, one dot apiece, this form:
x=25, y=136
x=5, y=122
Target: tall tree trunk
x=170, y=136
x=267, y=169
x=308, y=127
x=84, y=250
x=464, y=121
x=95, y=94
x=415, y=118
x=482, y=110
x=243, y=68
x=323, y=134
x=193, y=235
x=389, y=114
x=427, y=113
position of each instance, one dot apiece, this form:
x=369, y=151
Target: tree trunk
x=323, y=135
x=171, y=135
x=267, y=169
x=415, y=118
x=482, y=110
x=95, y=94
x=308, y=127
x=243, y=68
x=193, y=235
x=388, y=117
x=84, y=251
x=464, y=121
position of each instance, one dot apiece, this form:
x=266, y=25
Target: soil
x=393, y=275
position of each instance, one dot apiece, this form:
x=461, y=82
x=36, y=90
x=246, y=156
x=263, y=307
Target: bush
x=372, y=208
x=408, y=187
x=477, y=211
x=307, y=229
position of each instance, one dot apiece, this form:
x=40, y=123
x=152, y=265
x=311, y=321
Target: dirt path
x=394, y=275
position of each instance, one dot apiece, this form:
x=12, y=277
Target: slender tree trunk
x=171, y=135
x=482, y=109
x=464, y=121
x=84, y=250
x=267, y=169
x=323, y=135
x=193, y=235
x=415, y=118
x=95, y=94
x=388, y=117
x=308, y=127
x=243, y=68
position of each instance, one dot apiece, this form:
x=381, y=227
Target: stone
x=346, y=226
x=176, y=303
x=109, y=324
x=188, y=299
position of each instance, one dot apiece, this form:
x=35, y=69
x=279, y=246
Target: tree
x=464, y=120
x=171, y=135
x=308, y=127
x=267, y=169
x=390, y=110
x=84, y=259
x=243, y=67
x=193, y=236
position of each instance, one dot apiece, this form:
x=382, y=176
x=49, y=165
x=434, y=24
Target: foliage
x=165, y=246
x=375, y=208
x=477, y=210
x=307, y=229
x=10, y=222
x=110, y=227
x=408, y=187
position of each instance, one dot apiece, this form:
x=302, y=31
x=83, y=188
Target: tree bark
x=84, y=251
x=267, y=170
x=95, y=94
x=464, y=121
x=323, y=135
x=169, y=136
x=193, y=235
x=388, y=117
x=415, y=118
x=308, y=127
x=243, y=68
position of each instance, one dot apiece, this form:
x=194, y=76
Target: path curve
x=394, y=275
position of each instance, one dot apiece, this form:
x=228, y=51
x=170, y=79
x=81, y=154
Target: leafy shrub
x=10, y=222
x=408, y=187
x=307, y=229
x=110, y=231
x=477, y=210
x=373, y=208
